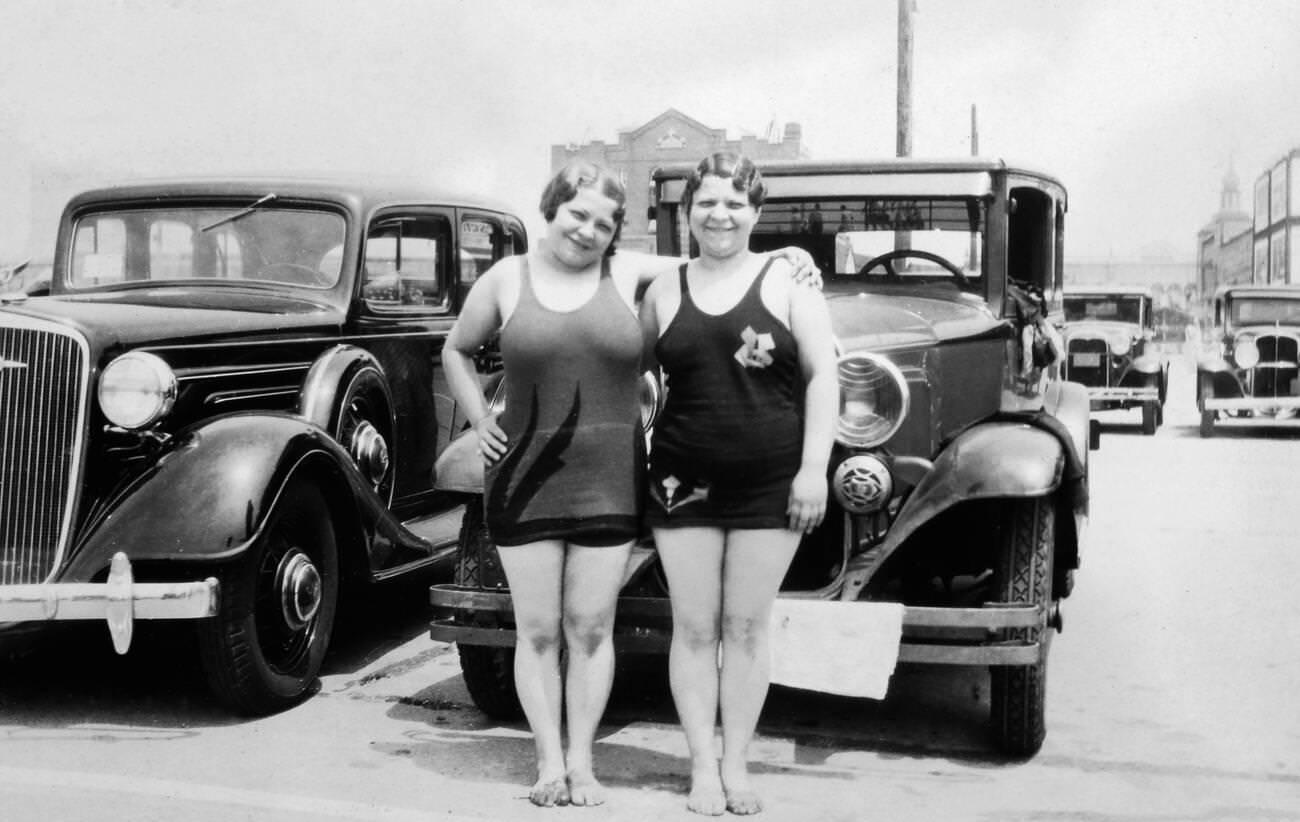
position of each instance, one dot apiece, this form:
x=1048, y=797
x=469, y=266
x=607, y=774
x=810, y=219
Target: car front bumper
x=931, y=635
x=1250, y=403
x=1115, y=393
x=119, y=601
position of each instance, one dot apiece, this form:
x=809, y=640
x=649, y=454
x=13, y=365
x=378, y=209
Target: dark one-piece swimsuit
x=575, y=461
x=730, y=438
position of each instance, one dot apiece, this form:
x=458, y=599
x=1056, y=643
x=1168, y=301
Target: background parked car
x=1109, y=339
x=226, y=411
x=1252, y=367
x=960, y=470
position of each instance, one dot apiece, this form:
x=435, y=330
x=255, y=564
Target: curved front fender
x=1148, y=364
x=1001, y=459
x=208, y=497
x=460, y=466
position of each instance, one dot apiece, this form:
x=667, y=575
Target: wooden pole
x=905, y=78
x=974, y=133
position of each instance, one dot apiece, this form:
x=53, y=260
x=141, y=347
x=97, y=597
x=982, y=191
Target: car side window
x=482, y=243
x=406, y=260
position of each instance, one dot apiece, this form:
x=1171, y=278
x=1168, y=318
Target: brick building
x=671, y=138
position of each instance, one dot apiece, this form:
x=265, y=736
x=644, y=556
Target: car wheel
x=1150, y=417
x=488, y=669
x=1023, y=575
x=1207, y=424
x=263, y=652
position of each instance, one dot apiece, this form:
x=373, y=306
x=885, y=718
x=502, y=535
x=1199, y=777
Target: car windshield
x=1265, y=311
x=886, y=238
x=1110, y=308
x=238, y=243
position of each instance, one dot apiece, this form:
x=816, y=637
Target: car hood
x=130, y=318
x=1100, y=328
x=1270, y=328
x=877, y=321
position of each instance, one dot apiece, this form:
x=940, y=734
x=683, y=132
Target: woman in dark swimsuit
x=737, y=464
x=565, y=462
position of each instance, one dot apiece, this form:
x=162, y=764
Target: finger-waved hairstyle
x=578, y=174
x=742, y=172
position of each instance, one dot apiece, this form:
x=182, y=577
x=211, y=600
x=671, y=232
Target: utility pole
x=905, y=9
x=974, y=133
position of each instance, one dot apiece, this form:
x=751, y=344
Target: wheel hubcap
x=299, y=585
x=370, y=452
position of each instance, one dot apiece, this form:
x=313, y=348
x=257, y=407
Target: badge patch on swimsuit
x=673, y=493
x=753, y=353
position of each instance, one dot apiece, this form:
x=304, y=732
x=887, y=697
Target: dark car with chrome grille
x=1252, y=368
x=959, y=475
x=226, y=411
x=1109, y=345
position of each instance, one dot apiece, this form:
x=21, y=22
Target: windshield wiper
x=243, y=212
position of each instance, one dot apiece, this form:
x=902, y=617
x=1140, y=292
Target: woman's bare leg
x=592, y=576
x=535, y=572
x=692, y=560
x=754, y=564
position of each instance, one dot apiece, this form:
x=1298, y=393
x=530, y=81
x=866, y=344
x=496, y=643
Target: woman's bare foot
x=548, y=793
x=706, y=795
x=584, y=789
x=741, y=798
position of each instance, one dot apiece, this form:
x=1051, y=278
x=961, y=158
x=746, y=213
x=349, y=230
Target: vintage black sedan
x=1252, y=368
x=1109, y=340
x=960, y=470
x=227, y=410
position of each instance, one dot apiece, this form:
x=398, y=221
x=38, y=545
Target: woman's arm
x=649, y=267
x=479, y=319
x=810, y=323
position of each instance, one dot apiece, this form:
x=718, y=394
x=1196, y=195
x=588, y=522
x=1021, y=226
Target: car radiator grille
x=1275, y=376
x=43, y=378
x=1088, y=362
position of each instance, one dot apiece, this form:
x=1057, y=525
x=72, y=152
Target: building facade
x=669, y=139
x=1276, y=249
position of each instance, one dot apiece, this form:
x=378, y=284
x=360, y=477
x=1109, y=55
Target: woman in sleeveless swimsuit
x=737, y=464
x=565, y=462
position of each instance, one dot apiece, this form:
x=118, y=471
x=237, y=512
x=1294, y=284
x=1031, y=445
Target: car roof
x=1108, y=290
x=1282, y=290
x=782, y=168
x=363, y=192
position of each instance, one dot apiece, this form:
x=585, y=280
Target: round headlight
x=873, y=400
x=136, y=389
x=1245, y=352
x=1119, y=343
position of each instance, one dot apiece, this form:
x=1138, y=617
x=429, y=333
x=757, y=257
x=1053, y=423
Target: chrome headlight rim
x=1245, y=353
x=852, y=370
x=136, y=390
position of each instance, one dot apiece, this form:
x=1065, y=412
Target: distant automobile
x=1252, y=367
x=228, y=408
x=1109, y=342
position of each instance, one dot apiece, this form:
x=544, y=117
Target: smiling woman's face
x=721, y=218
x=582, y=228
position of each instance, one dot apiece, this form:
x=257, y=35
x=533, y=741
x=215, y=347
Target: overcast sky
x=1139, y=106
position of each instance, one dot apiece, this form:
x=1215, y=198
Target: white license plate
x=1086, y=360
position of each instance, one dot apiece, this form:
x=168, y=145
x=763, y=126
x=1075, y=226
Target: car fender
x=328, y=378
x=207, y=498
x=459, y=467
x=991, y=460
x=1149, y=364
